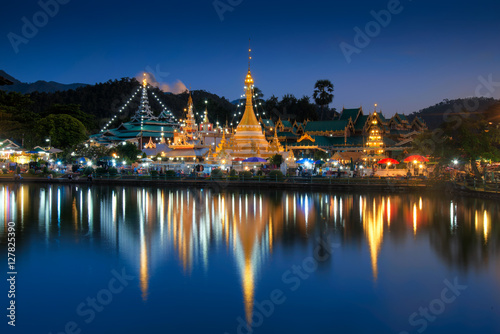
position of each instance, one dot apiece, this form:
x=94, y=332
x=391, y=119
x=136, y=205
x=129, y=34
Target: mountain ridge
x=41, y=86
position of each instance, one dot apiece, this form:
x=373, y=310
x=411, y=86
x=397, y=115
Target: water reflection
x=149, y=226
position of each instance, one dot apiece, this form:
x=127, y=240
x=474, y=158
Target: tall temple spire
x=190, y=121
x=205, y=119
x=249, y=118
x=249, y=139
x=144, y=113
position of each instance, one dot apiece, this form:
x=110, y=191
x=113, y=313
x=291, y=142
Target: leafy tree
x=322, y=95
x=318, y=155
x=467, y=137
x=271, y=105
x=17, y=119
x=276, y=159
x=306, y=110
x=72, y=110
x=291, y=108
x=63, y=130
x=258, y=95
x=88, y=151
x=129, y=151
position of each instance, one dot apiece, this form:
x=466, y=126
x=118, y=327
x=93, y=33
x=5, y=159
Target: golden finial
x=249, y=54
x=144, y=81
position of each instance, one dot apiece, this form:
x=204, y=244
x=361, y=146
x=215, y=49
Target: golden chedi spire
x=205, y=120
x=249, y=139
x=249, y=119
x=190, y=99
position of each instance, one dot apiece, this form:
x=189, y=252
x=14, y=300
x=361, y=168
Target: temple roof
x=402, y=117
x=268, y=122
x=327, y=141
x=350, y=113
x=337, y=125
x=388, y=141
x=360, y=122
x=287, y=134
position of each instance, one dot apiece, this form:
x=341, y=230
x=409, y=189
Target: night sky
x=429, y=51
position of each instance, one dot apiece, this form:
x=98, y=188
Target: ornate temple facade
x=353, y=131
x=193, y=141
x=248, y=139
x=144, y=128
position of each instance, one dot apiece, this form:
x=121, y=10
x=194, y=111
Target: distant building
x=354, y=131
x=144, y=127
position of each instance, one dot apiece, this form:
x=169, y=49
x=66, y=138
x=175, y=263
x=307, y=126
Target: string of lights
x=165, y=113
x=125, y=105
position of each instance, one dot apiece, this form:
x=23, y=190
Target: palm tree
x=323, y=90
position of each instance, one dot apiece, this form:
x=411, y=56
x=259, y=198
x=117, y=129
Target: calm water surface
x=157, y=260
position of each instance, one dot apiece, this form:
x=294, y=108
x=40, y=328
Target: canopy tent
x=416, y=157
x=255, y=159
x=388, y=161
x=38, y=150
x=54, y=150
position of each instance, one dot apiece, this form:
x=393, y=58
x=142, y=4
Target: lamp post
x=48, y=140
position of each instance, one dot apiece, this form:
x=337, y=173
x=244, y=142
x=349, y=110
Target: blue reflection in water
x=262, y=233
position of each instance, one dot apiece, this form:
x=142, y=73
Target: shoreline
x=346, y=185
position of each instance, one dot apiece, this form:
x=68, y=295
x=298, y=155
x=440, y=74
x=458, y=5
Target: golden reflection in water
x=389, y=211
x=415, y=219
x=22, y=204
x=373, y=225
x=482, y=224
x=144, y=271
x=74, y=213
x=485, y=226
x=143, y=263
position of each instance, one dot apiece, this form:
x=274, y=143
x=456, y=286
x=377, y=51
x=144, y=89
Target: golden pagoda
x=275, y=145
x=190, y=121
x=249, y=139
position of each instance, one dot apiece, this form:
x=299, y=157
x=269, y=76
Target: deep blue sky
x=429, y=51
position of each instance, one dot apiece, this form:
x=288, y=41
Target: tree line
x=66, y=118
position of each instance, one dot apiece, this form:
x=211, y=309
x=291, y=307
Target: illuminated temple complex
x=248, y=139
x=371, y=135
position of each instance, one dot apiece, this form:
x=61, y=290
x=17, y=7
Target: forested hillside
x=435, y=115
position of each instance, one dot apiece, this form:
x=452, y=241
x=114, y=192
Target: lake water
x=93, y=259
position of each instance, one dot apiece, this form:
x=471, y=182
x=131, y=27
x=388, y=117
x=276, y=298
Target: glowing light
x=414, y=219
